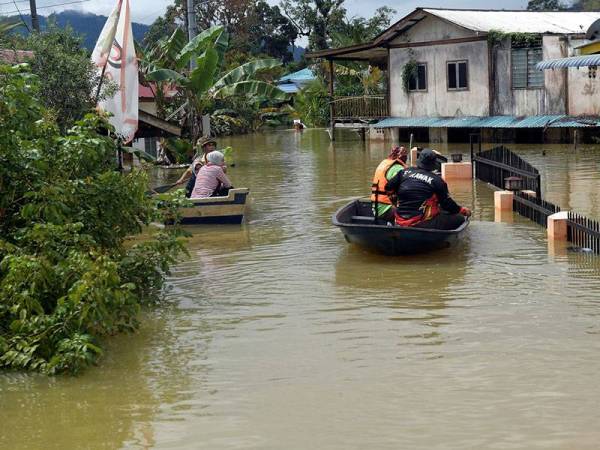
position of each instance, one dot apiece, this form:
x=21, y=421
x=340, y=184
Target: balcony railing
x=365, y=107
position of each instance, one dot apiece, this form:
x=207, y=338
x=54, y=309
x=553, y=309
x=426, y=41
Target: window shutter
x=535, y=78
x=519, y=68
x=462, y=75
x=452, y=76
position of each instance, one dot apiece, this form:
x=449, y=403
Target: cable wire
x=48, y=6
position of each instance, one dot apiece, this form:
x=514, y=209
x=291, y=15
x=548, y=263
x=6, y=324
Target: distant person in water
x=204, y=146
x=380, y=199
x=211, y=180
x=423, y=198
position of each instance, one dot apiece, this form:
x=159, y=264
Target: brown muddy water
x=278, y=335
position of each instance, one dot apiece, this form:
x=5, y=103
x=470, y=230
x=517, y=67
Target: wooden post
x=331, y=104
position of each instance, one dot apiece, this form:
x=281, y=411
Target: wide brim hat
x=204, y=140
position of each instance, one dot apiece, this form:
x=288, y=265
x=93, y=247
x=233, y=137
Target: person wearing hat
x=205, y=145
x=423, y=198
x=211, y=179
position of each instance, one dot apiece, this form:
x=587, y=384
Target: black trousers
x=443, y=221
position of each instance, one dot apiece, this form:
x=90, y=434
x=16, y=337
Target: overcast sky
x=145, y=11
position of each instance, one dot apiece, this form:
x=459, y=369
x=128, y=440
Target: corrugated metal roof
x=561, y=22
x=300, y=76
x=574, y=61
x=550, y=121
x=288, y=88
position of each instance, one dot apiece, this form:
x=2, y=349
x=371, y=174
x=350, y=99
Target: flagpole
x=100, y=83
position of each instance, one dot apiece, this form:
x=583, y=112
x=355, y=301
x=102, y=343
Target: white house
x=476, y=69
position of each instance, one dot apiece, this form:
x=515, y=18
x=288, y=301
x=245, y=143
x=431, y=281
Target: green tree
x=165, y=26
x=67, y=279
x=316, y=19
x=548, y=5
x=272, y=33
x=68, y=79
x=205, y=83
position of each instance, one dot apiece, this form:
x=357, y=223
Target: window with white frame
x=457, y=75
x=418, y=82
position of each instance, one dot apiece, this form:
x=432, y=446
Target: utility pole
x=35, y=22
x=191, y=23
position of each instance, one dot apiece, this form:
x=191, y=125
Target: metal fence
x=583, y=232
x=363, y=107
x=495, y=165
x=534, y=208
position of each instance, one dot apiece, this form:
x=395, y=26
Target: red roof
x=146, y=93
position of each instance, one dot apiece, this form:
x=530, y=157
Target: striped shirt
x=208, y=180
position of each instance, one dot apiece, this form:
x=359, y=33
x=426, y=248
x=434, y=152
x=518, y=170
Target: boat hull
x=217, y=210
x=359, y=227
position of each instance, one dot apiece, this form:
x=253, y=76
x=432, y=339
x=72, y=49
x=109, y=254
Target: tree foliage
x=546, y=5
x=67, y=277
x=315, y=19
x=205, y=83
x=68, y=79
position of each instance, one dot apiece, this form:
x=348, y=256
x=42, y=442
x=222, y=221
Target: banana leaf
x=199, y=44
x=202, y=77
x=252, y=88
x=245, y=71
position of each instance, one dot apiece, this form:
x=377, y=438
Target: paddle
x=162, y=189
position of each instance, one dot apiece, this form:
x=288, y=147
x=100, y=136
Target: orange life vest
x=378, y=193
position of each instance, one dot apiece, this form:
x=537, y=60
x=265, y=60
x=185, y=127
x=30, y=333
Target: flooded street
x=279, y=335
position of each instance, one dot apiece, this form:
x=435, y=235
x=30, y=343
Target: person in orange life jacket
x=423, y=198
x=380, y=199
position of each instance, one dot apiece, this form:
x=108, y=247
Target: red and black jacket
x=421, y=194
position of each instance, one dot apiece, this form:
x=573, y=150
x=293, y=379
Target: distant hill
x=298, y=52
x=86, y=25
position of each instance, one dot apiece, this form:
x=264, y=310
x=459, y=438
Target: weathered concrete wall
x=438, y=100
x=555, y=99
x=432, y=29
x=529, y=102
x=584, y=92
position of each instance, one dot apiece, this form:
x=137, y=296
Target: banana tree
x=203, y=84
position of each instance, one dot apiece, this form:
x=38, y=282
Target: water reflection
x=276, y=330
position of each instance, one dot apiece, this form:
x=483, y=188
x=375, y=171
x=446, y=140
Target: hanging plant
x=409, y=71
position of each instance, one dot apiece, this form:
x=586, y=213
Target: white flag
x=115, y=55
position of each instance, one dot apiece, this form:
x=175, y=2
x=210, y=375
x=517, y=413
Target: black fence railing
x=534, y=208
x=495, y=165
x=583, y=232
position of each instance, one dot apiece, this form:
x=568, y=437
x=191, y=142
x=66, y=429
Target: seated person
x=205, y=145
x=423, y=198
x=211, y=180
x=386, y=170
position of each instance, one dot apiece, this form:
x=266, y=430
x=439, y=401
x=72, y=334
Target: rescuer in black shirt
x=423, y=198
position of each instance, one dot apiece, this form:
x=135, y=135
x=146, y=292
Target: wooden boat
x=217, y=210
x=359, y=227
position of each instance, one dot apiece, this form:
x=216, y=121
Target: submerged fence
x=583, y=232
x=495, y=165
x=534, y=208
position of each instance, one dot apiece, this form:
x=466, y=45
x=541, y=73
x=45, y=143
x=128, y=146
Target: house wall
x=566, y=91
x=584, y=92
x=551, y=99
x=432, y=29
x=438, y=100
